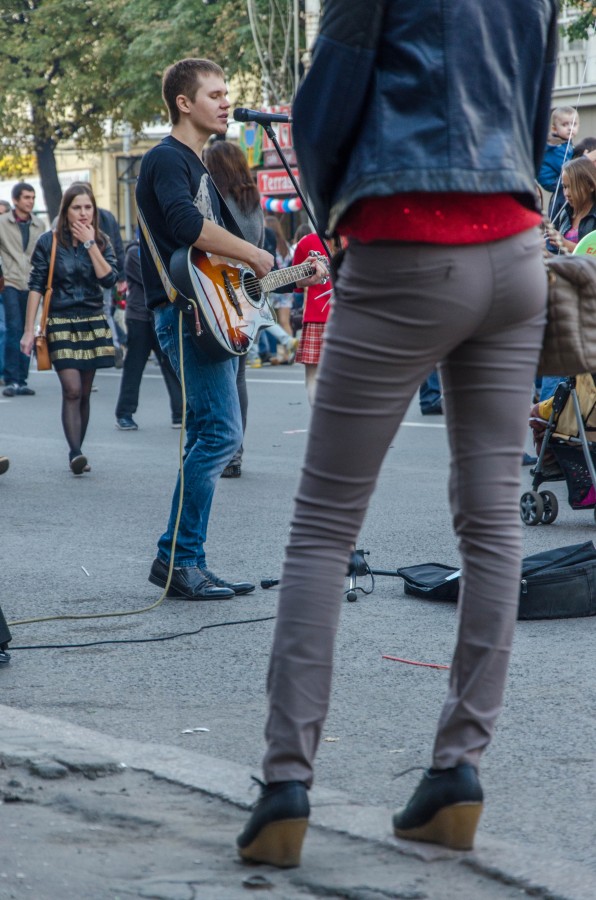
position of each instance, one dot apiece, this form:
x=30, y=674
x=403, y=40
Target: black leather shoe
x=275, y=831
x=444, y=808
x=188, y=582
x=239, y=587
x=77, y=464
x=232, y=471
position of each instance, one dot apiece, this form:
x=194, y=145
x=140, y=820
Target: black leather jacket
x=433, y=95
x=76, y=287
x=586, y=225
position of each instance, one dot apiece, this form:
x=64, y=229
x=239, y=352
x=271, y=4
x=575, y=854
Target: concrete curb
x=34, y=739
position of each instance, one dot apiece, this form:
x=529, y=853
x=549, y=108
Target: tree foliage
x=162, y=31
x=584, y=24
x=55, y=67
x=71, y=67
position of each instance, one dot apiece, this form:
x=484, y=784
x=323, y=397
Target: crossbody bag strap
x=47, y=297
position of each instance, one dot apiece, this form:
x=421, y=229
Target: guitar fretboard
x=281, y=277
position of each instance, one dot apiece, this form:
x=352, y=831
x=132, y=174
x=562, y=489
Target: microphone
x=261, y=118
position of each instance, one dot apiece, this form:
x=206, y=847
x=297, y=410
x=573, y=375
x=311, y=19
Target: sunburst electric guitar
x=228, y=302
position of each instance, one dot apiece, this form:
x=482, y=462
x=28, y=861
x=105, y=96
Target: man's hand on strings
x=320, y=264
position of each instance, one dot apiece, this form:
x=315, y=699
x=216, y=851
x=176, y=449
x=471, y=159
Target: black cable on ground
x=165, y=637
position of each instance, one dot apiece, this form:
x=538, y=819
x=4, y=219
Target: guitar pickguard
x=231, y=304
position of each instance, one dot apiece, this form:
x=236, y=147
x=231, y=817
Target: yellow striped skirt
x=80, y=342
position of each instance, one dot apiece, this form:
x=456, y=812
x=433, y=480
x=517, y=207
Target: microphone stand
x=272, y=137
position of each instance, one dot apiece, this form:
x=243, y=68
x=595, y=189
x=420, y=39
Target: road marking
x=424, y=424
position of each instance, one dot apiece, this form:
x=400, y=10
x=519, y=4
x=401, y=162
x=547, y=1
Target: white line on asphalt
x=117, y=374
x=424, y=424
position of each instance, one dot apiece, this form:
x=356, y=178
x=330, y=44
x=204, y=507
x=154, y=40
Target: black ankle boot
x=276, y=828
x=444, y=808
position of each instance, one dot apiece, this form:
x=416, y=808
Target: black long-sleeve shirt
x=175, y=194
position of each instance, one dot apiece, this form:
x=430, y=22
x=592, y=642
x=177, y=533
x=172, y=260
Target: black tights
x=76, y=392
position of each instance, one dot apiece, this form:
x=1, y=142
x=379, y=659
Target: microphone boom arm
x=273, y=138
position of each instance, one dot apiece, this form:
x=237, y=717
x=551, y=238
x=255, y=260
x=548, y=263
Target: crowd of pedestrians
x=419, y=286
x=94, y=268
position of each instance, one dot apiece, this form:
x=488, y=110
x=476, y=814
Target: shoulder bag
x=42, y=351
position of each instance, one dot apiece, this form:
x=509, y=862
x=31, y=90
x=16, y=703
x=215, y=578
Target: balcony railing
x=570, y=68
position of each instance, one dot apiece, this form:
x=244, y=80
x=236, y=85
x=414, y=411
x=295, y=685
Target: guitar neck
x=281, y=277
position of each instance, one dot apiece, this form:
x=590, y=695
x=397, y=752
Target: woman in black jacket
x=79, y=338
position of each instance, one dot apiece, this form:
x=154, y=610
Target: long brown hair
x=281, y=244
x=62, y=230
x=582, y=183
x=228, y=167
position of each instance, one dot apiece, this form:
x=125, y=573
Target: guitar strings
x=253, y=280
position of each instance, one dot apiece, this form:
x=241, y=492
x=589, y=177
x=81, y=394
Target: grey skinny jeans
x=478, y=311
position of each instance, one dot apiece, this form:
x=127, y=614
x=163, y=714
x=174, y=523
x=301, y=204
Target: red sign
x=276, y=181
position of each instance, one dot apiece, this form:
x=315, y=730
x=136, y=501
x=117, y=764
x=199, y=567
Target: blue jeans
x=2, y=334
x=549, y=386
x=213, y=434
x=429, y=393
x=16, y=364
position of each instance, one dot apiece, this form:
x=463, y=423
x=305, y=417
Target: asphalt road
x=85, y=545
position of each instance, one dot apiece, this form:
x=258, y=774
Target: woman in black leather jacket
x=78, y=335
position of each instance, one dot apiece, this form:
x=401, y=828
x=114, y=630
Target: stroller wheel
x=551, y=507
x=531, y=508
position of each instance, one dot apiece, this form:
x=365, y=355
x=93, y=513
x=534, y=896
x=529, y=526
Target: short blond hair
x=560, y=111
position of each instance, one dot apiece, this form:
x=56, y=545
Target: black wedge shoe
x=275, y=831
x=444, y=808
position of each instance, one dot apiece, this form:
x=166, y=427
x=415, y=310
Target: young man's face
x=208, y=112
x=25, y=202
x=566, y=127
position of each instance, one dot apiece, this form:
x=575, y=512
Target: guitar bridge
x=231, y=294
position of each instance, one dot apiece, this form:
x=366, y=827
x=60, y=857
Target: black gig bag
x=555, y=584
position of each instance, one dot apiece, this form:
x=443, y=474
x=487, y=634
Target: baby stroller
x=564, y=429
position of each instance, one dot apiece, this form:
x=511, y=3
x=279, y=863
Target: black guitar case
x=555, y=584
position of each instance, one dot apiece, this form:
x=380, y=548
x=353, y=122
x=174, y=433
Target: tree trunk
x=48, y=174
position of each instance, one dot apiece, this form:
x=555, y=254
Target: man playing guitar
x=180, y=207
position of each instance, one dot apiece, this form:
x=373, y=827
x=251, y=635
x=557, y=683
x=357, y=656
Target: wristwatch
x=88, y=244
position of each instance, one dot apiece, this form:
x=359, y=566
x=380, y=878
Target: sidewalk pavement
x=86, y=816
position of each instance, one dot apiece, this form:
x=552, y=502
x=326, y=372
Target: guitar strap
x=171, y=291
x=230, y=224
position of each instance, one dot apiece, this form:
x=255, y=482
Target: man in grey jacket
x=19, y=231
